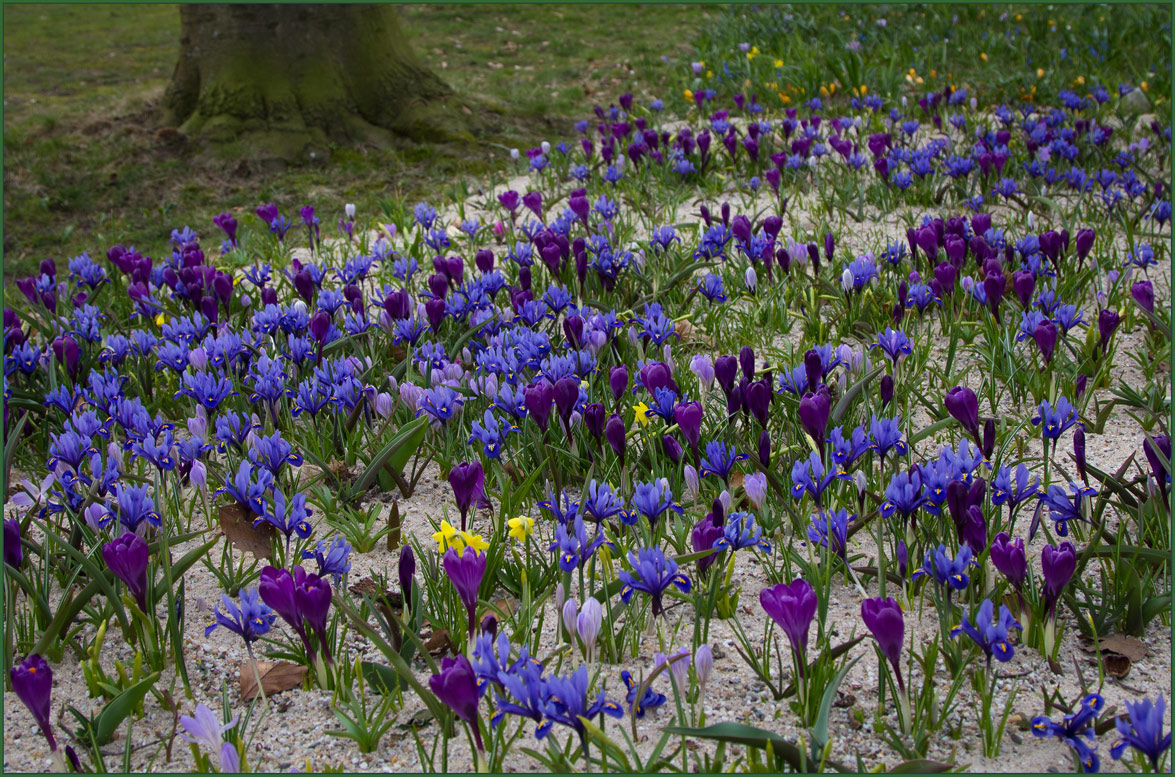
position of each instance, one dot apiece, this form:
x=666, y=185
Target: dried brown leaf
x=236, y=523
x=275, y=677
x=1130, y=647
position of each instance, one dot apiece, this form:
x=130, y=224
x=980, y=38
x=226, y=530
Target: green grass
x=1031, y=51
x=84, y=167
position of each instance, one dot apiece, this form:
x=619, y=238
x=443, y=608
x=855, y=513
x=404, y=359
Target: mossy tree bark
x=282, y=78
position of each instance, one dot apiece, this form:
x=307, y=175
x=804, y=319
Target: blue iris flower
x=720, y=460
x=887, y=436
x=741, y=531
x=1076, y=730
x=1004, y=490
x=652, y=500
x=809, y=476
x=654, y=574
x=945, y=570
x=990, y=634
x=251, y=620
x=1054, y=422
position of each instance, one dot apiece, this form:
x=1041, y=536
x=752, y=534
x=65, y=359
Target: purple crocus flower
x=468, y=483
x=1144, y=295
x=456, y=687
x=1057, y=563
x=1158, y=456
x=1107, y=323
x=227, y=223
x=1045, y=334
x=32, y=681
x=704, y=535
x=406, y=569
x=539, y=398
x=127, y=559
x=13, y=553
x=792, y=606
x=1007, y=555
x=814, y=411
x=884, y=618
x=963, y=406
x=465, y=570
x=277, y=588
x=614, y=432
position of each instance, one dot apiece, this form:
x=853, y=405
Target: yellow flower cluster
x=451, y=537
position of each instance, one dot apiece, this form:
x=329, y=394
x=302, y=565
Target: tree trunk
x=282, y=78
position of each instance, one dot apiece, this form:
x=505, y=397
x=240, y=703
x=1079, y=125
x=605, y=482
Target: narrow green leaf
x=116, y=711
x=820, y=730
x=395, y=454
x=852, y=393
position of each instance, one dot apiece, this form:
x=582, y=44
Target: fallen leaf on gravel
x=1019, y=720
x=275, y=677
x=438, y=643
x=236, y=523
x=1132, y=648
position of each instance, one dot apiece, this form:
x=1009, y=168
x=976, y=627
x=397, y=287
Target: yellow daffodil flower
x=642, y=413
x=445, y=536
x=779, y=63
x=159, y=320
x=689, y=95
x=472, y=541
x=521, y=527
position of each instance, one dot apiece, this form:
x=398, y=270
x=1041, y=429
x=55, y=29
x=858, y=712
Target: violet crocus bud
x=467, y=480
x=725, y=369
x=994, y=284
x=886, y=390
x=703, y=666
x=765, y=448
x=903, y=558
x=963, y=406
x=32, y=681
x=589, y=623
x=755, y=487
x=813, y=368
x=614, y=432
x=746, y=360
x=1024, y=283
x=988, y=438
x=406, y=570
x=1057, y=565
x=1144, y=295
x=1083, y=242
x=813, y=411
x=618, y=381
x=1045, y=334
x=1107, y=322
x=127, y=559
x=883, y=617
x=489, y=625
x=13, y=552
x=570, y=616
x=1007, y=555
x=692, y=483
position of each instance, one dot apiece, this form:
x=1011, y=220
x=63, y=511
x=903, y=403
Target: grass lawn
x=84, y=167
